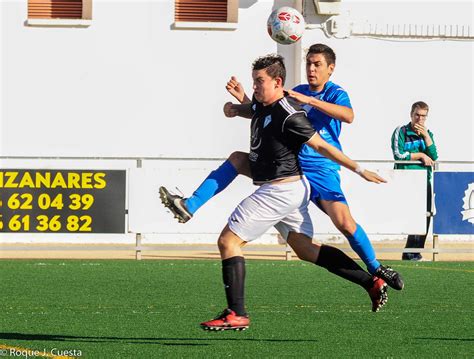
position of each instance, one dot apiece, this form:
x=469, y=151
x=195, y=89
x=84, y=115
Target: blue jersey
x=328, y=127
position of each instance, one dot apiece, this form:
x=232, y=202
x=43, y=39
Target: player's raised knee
x=239, y=160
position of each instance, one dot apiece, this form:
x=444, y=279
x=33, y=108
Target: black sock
x=233, y=275
x=337, y=262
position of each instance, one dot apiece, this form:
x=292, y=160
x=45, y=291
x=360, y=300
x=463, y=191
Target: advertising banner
x=454, y=201
x=62, y=201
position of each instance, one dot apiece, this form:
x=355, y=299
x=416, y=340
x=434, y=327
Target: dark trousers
x=416, y=240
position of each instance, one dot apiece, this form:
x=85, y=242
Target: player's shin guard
x=337, y=262
x=360, y=243
x=217, y=181
x=233, y=275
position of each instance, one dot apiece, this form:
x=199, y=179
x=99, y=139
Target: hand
x=302, y=99
x=235, y=88
x=421, y=130
x=229, y=110
x=427, y=161
x=372, y=177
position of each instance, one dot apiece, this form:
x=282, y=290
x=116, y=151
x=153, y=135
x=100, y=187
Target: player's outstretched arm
x=342, y=113
x=233, y=110
x=234, y=87
x=334, y=154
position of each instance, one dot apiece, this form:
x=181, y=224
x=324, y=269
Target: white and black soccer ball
x=285, y=25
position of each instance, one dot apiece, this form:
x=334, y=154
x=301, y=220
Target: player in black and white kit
x=278, y=130
x=277, y=133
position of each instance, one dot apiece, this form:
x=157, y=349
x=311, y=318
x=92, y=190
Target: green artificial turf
x=152, y=309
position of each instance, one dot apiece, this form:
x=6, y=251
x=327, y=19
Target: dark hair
x=273, y=64
x=419, y=104
x=327, y=52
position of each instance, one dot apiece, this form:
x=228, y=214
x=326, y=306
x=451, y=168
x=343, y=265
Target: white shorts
x=283, y=205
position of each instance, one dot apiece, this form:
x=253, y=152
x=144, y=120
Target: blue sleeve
x=340, y=97
x=298, y=88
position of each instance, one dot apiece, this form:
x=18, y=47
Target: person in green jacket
x=414, y=142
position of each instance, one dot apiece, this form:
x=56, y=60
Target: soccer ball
x=285, y=25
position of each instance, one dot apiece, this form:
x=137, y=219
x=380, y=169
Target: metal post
x=138, y=236
x=288, y=252
x=138, y=246
x=432, y=213
x=435, y=247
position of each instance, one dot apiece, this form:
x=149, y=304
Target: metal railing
x=139, y=247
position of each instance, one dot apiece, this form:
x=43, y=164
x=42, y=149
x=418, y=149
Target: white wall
x=131, y=85
x=128, y=85
x=384, y=77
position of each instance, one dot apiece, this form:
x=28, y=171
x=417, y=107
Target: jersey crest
x=267, y=120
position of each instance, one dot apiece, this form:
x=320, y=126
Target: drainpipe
x=298, y=48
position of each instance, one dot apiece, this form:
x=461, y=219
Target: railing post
x=435, y=236
x=138, y=246
x=435, y=247
x=288, y=252
x=138, y=236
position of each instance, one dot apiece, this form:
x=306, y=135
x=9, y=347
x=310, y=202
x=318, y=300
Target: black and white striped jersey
x=277, y=133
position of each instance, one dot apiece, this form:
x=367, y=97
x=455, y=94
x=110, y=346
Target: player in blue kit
x=278, y=129
x=327, y=106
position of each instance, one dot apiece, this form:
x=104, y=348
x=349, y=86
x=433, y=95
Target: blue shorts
x=325, y=185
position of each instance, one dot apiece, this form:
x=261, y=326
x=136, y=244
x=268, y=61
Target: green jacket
x=405, y=142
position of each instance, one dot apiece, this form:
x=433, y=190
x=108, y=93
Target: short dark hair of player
x=273, y=64
x=327, y=52
x=419, y=105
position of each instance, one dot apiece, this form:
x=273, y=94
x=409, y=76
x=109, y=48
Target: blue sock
x=217, y=181
x=361, y=245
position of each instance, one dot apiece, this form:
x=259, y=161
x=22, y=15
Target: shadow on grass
x=450, y=339
x=160, y=341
